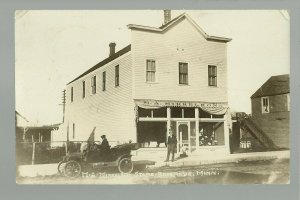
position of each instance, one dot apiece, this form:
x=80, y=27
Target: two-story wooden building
x=170, y=77
x=271, y=109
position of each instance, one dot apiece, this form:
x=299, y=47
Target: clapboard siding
x=276, y=123
x=110, y=111
x=181, y=43
x=277, y=103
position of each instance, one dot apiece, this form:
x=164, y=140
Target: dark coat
x=172, y=140
x=104, y=145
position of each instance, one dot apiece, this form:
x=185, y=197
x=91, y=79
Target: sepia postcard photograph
x=152, y=97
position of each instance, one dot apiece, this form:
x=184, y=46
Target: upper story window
x=71, y=94
x=265, y=105
x=150, y=71
x=117, y=76
x=83, y=89
x=103, y=81
x=183, y=73
x=93, y=84
x=212, y=75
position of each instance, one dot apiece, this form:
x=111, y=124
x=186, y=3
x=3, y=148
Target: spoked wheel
x=72, y=169
x=125, y=165
x=60, y=168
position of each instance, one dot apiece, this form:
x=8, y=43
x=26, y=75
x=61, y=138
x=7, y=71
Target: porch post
x=33, y=153
x=189, y=134
x=168, y=120
x=197, y=127
x=135, y=124
x=226, y=136
x=24, y=132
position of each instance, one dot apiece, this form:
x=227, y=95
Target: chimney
x=112, y=48
x=167, y=16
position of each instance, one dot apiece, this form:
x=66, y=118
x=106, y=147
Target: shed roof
x=17, y=113
x=45, y=127
x=275, y=85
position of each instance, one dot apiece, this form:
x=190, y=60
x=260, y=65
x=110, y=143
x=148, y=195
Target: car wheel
x=125, y=165
x=72, y=169
x=60, y=168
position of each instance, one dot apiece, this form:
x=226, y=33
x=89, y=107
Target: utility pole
x=64, y=107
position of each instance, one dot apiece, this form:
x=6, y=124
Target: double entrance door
x=183, y=137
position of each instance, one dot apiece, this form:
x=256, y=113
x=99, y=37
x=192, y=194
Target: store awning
x=214, y=108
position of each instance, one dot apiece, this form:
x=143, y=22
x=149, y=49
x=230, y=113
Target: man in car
x=104, y=144
x=104, y=149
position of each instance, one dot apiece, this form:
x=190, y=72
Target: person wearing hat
x=171, y=143
x=104, y=144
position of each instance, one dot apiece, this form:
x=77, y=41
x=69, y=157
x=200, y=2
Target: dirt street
x=265, y=172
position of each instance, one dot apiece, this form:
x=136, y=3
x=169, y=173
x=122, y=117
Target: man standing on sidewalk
x=172, y=142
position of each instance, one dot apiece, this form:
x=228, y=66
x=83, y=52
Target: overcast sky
x=54, y=47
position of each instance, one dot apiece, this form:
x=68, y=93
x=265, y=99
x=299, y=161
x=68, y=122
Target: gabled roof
x=104, y=62
x=173, y=22
x=274, y=86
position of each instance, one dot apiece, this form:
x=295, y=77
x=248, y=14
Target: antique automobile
x=118, y=157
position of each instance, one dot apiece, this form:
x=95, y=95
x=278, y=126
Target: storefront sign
x=213, y=108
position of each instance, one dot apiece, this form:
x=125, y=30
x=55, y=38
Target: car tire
x=125, y=166
x=72, y=169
